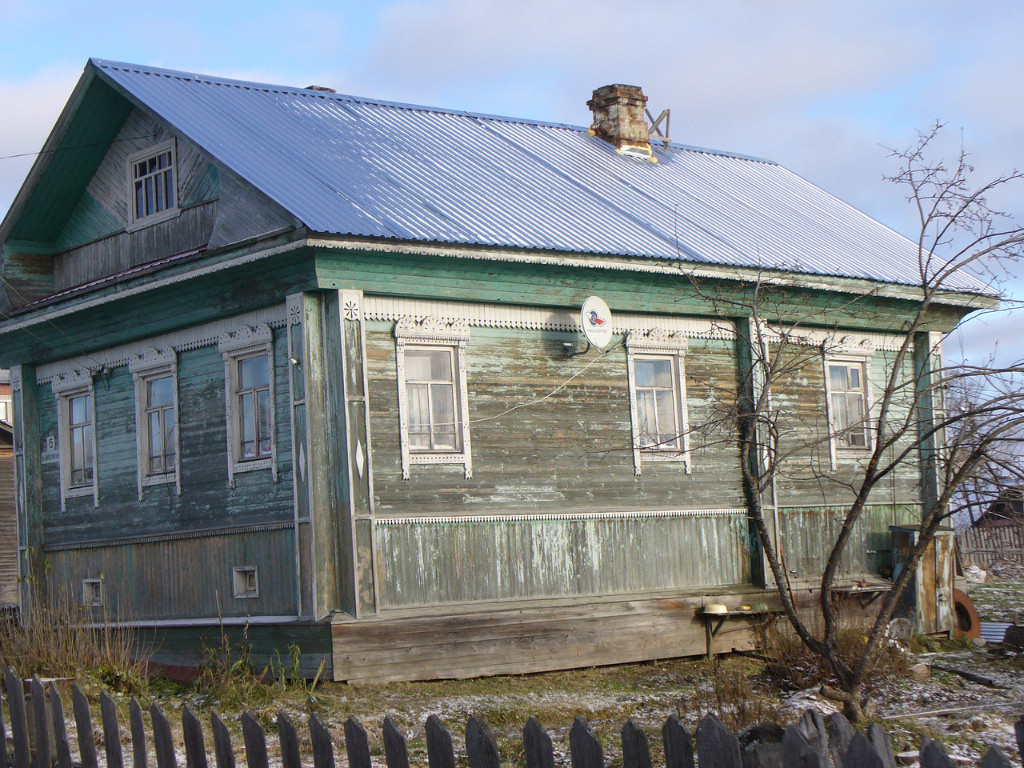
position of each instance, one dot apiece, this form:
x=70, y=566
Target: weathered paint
x=433, y=563
x=160, y=579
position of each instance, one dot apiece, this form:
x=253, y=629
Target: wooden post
x=678, y=744
x=717, y=746
x=860, y=753
x=83, y=724
x=636, y=752
x=995, y=758
x=584, y=746
x=395, y=751
x=290, y=757
x=111, y=732
x=320, y=737
x=880, y=741
x=440, y=753
x=222, y=750
x=42, y=724
x=933, y=755
x=538, y=750
x=19, y=720
x=481, y=748
x=163, y=742
x=192, y=732
x=255, y=742
x=357, y=744
x=138, y=728
x=28, y=488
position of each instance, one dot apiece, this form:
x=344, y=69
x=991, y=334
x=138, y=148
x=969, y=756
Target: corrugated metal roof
x=350, y=166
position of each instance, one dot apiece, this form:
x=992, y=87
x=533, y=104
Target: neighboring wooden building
x=8, y=518
x=298, y=361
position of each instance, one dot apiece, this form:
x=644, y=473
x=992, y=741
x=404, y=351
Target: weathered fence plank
x=19, y=720
x=163, y=742
x=3, y=740
x=883, y=746
x=1018, y=728
x=195, y=745
x=717, y=746
x=320, y=738
x=42, y=723
x=800, y=752
x=60, y=730
x=636, y=751
x=761, y=746
x=396, y=753
x=290, y=757
x=111, y=732
x=538, y=751
x=357, y=744
x=481, y=747
x=440, y=752
x=933, y=755
x=840, y=732
x=137, y=726
x=995, y=758
x=83, y=725
x=861, y=753
x=584, y=746
x=255, y=742
x=223, y=752
x=678, y=744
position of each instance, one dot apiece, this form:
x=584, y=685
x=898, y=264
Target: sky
x=826, y=89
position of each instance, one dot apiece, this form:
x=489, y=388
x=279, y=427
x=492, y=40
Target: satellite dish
x=596, y=319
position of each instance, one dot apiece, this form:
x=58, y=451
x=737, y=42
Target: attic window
x=152, y=182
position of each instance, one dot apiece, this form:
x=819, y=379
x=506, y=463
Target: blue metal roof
x=351, y=166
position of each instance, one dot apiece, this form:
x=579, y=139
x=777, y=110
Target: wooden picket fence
x=983, y=546
x=40, y=740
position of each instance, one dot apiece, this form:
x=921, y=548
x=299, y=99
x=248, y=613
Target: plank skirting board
x=518, y=639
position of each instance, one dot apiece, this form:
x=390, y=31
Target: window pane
x=156, y=438
x=77, y=452
x=161, y=391
x=254, y=372
x=419, y=416
x=417, y=365
x=839, y=377
x=647, y=415
x=839, y=414
x=667, y=432
x=169, y=437
x=644, y=370
x=441, y=365
x=79, y=407
x=263, y=428
x=87, y=446
x=854, y=377
x=443, y=401
x=247, y=417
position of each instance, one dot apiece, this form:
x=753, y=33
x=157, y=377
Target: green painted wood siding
x=206, y=501
x=180, y=579
x=571, y=450
x=454, y=562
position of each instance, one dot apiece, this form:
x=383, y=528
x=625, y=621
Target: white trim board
x=537, y=318
x=563, y=516
x=204, y=335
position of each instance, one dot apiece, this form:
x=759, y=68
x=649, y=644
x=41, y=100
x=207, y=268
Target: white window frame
x=67, y=385
x=240, y=578
x=659, y=343
x=837, y=451
x=135, y=221
x=432, y=332
x=247, y=341
x=144, y=367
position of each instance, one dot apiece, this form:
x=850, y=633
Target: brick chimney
x=619, y=118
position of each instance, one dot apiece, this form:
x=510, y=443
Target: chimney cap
x=619, y=112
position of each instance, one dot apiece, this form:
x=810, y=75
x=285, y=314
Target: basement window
x=152, y=184
x=245, y=582
x=92, y=593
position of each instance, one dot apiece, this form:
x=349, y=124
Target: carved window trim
x=146, y=366
x=234, y=346
x=67, y=385
x=848, y=356
x=426, y=333
x=659, y=343
x=134, y=220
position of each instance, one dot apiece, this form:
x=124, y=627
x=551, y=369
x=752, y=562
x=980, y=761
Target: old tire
x=965, y=616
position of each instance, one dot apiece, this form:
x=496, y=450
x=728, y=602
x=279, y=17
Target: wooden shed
x=315, y=367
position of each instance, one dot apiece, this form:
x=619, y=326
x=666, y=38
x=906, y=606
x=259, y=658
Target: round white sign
x=596, y=319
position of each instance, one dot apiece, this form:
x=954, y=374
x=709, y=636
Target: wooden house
x=313, y=366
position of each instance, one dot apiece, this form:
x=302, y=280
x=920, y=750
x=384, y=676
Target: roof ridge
x=313, y=93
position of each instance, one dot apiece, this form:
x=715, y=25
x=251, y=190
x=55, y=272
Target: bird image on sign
x=596, y=319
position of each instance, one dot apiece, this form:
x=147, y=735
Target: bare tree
x=907, y=421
